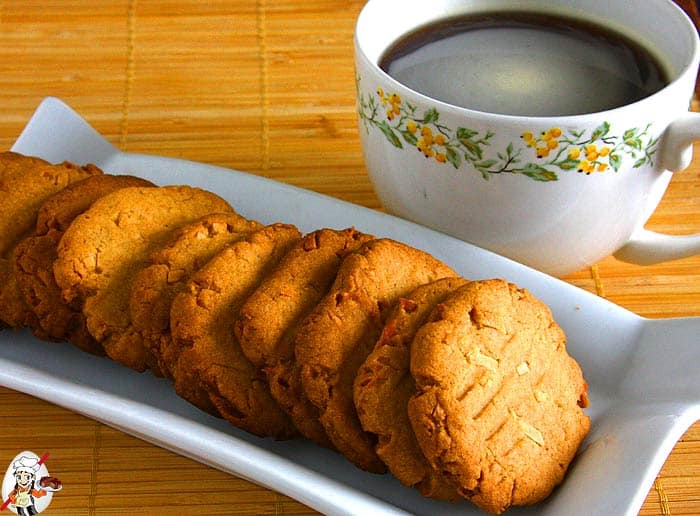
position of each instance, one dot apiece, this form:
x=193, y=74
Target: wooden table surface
x=264, y=87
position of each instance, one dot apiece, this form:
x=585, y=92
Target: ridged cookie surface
x=499, y=401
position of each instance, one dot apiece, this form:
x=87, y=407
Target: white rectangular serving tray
x=643, y=374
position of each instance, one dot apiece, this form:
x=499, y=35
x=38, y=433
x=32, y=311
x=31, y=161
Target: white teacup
x=486, y=178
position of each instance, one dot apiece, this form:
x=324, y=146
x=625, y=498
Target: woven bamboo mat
x=265, y=87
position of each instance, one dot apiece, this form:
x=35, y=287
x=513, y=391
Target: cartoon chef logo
x=27, y=487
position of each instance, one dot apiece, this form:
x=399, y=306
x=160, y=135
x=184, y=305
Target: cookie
x=155, y=286
x=336, y=337
x=34, y=257
x=25, y=183
x=498, y=406
x=106, y=246
x=384, y=385
x=211, y=368
x=268, y=319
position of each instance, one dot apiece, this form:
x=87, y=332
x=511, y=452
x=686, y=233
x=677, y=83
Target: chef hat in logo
x=26, y=464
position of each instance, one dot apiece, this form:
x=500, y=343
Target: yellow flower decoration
x=549, y=134
x=427, y=134
x=585, y=166
x=382, y=97
x=542, y=152
x=425, y=148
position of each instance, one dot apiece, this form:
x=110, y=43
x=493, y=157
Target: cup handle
x=648, y=247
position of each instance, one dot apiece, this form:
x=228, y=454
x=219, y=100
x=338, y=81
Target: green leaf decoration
x=409, y=137
x=472, y=148
x=538, y=173
x=600, y=132
x=615, y=161
x=567, y=164
x=488, y=163
x=453, y=157
x=465, y=134
x=629, y=134
x=640, y=162
x=484, y=173
x=390, y=134
x=635, y=143
x=431, y=116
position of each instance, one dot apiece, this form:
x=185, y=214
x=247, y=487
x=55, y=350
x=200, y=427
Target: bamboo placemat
x=268, y=88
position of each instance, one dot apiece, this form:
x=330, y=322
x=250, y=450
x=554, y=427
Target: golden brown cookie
x=34, y=257
x=25, y=183
x=18, y=214
x=106, y=246
x=155, y=286
x=268, y=320
x=211, y=368
x=499, y=401
x=336, y=337
x=384, y=385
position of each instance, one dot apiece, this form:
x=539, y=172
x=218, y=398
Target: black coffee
x=525, y=64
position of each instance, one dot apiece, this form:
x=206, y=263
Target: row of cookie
x=111, y=259
x=269, y=330
x=109, y=255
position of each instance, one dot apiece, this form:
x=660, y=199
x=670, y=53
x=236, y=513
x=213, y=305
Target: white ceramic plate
x=642, y=374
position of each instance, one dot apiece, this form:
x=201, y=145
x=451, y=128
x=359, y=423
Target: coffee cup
x=523, y=165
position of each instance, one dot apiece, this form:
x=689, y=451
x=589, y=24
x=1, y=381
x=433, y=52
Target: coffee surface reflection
x=528, y=64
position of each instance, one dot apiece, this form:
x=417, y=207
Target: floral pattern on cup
x=540, y=156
